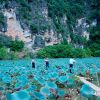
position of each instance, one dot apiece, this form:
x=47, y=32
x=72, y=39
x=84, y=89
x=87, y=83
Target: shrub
x=25, y=13
x=24, y=3
x=5, y=41
x=3, y=53
x=94, y=42
x=13, y=55
x=34, y=28
x=42, y=54
x=80, y=53
x=63, y=51
x=28, y=53
x=1, y=18
x=97, y=53
x=59, y=50
x=17, y=45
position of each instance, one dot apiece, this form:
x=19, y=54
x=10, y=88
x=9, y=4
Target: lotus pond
x=19, y=81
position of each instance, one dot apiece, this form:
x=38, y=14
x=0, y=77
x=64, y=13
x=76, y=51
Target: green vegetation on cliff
x=29, y=13
x=94, y=42
x=14, y=45
x=1, y=18
x=63, y=51
x=6, y=44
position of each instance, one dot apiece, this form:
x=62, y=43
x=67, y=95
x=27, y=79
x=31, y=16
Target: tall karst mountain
x=47, y=22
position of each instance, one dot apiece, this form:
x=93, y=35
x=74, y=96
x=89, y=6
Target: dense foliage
x=9, y=47
x=94, y=42
x=3, y=53
x=1, y=18
x=17, y=45
x=95, y=11
x=72, y=9
x=63, y=51
x=34, y=28
x=77, y=39
x=5, y=41
x=31, y=16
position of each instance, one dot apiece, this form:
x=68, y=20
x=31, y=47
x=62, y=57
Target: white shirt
x=33, y=61
x=46, y=60
x=72, y=61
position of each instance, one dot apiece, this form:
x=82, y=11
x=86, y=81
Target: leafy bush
x=1, y=18
x=24, y=3
x=72, y=9
x=78, y=39
x=17, y=45
x=94, y=42
x=28, y=54
x=5, y=41
x=3, y=53
x=97, y=53
x=13, y=55
x=25, y=13
x=63, y=51
x=81, y=53
x=34, y=28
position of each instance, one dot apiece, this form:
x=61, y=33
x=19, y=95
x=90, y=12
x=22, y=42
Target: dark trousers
x=33, y=65
x=71, y=66
x=47, y=65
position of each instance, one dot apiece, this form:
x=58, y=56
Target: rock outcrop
x=18, y=27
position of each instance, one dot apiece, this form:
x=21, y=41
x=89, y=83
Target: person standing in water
x=71, y=64
x=33, y=63
x=47, y=63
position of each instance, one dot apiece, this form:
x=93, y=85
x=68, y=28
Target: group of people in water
x=71, y=64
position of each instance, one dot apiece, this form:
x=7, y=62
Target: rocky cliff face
x=19, y=18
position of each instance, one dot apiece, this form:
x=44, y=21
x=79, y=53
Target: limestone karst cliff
x=41, y=23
